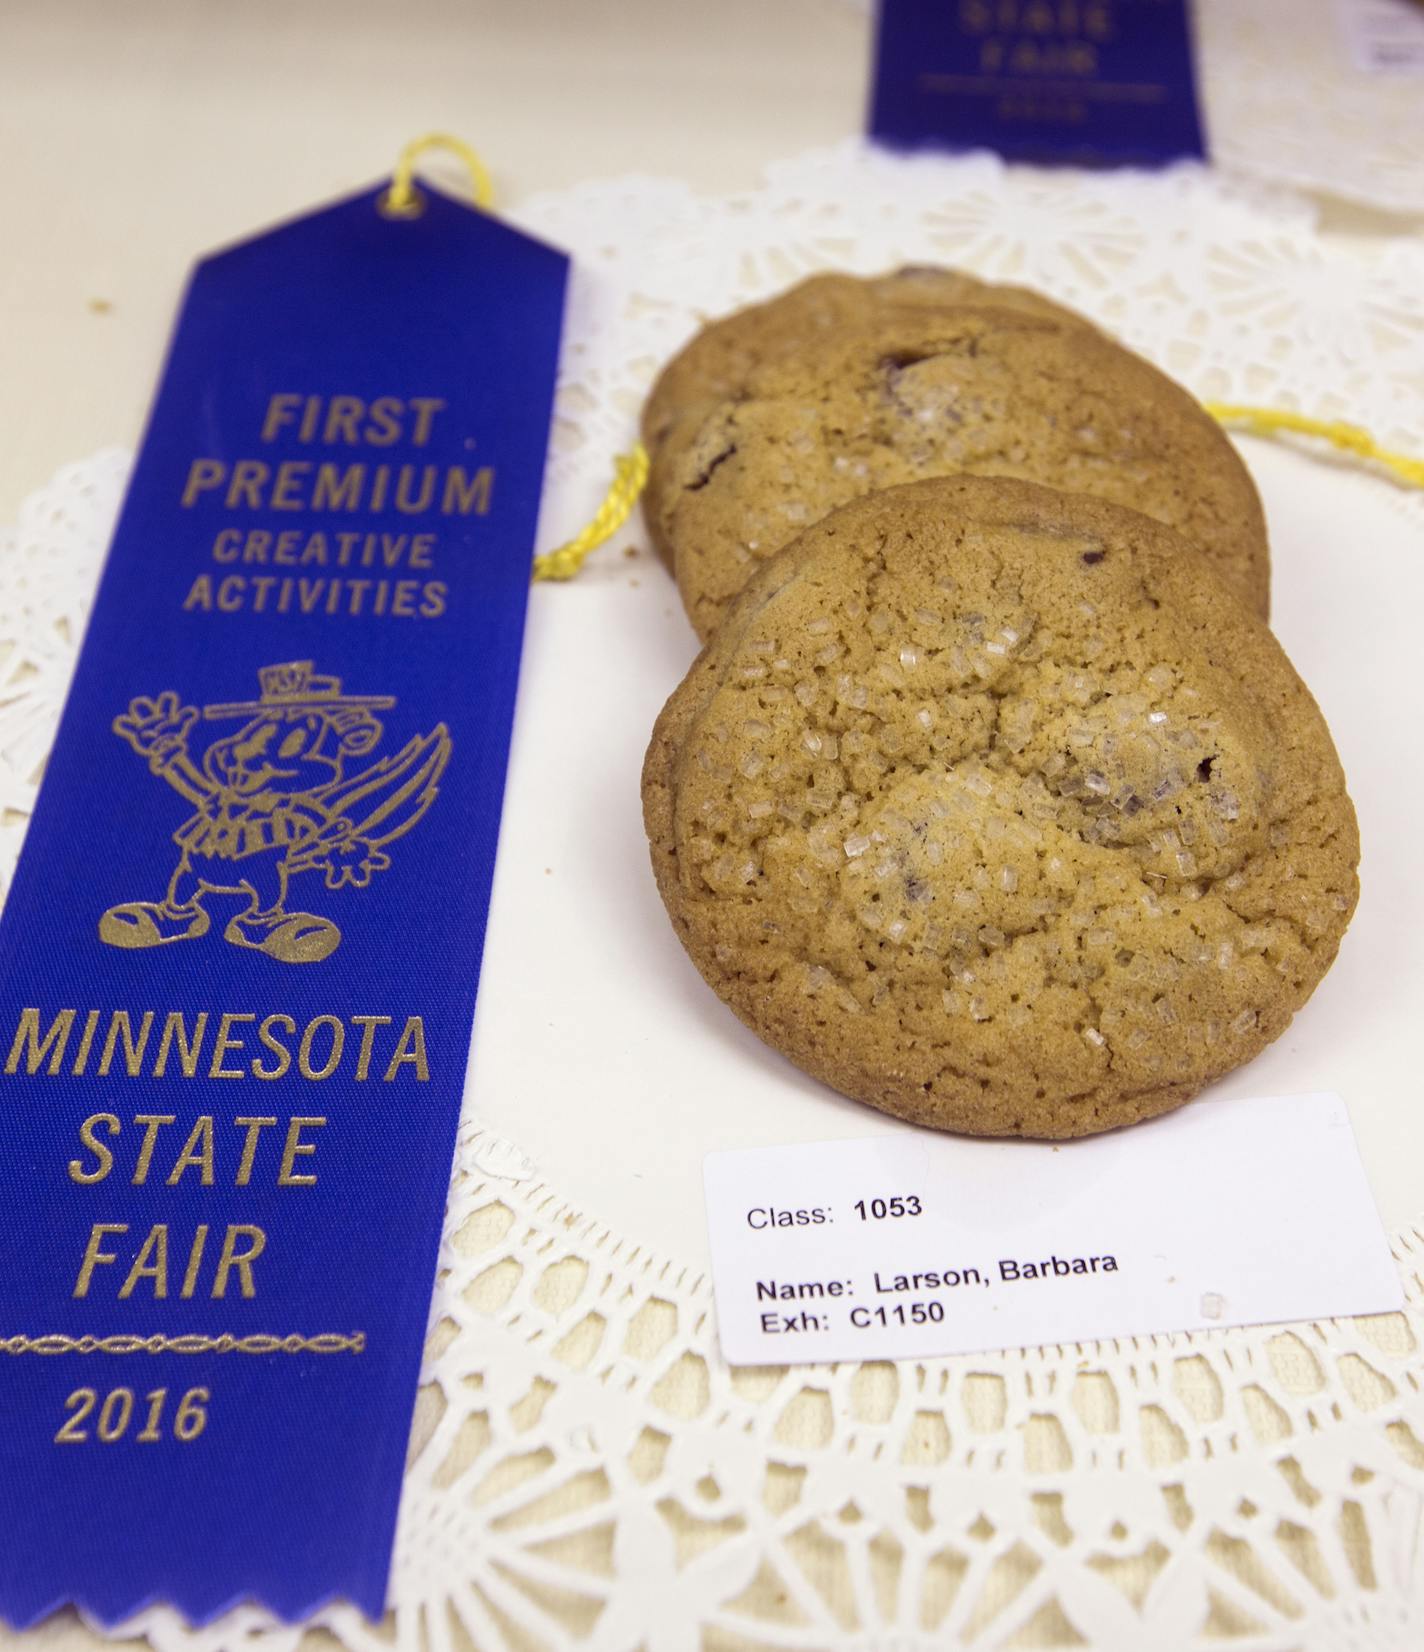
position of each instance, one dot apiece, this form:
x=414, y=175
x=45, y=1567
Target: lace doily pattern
x=585, y=1471
x=1226, y=285
x=49, y=561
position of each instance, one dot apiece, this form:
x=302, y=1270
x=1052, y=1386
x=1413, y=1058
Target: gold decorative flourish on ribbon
x=193, y=1342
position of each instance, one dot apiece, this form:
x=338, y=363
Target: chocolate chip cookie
x=991, y=392
x=995, y=808
x=718, y=360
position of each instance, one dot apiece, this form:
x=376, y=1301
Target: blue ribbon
x=239, y=959
x=1088, y=81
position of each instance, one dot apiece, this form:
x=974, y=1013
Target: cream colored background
x=139, y=134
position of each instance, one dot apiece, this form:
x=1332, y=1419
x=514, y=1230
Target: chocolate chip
x=707, y=470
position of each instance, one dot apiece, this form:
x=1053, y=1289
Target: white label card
x=1385, y=37
x=915, y=1244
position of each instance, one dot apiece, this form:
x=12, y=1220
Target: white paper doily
x=586, y=1472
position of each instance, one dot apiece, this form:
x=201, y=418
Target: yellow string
x=1269, y=421
x=630, y=474
x=404, y=200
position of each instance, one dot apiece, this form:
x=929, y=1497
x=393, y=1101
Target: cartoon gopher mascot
x=273, y=800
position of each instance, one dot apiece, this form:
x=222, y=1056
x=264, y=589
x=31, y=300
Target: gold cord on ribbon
x=404, y=200
x=1349, y=438
x=630, y=475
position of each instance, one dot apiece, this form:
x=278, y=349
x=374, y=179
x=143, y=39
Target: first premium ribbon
x=239, y=958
